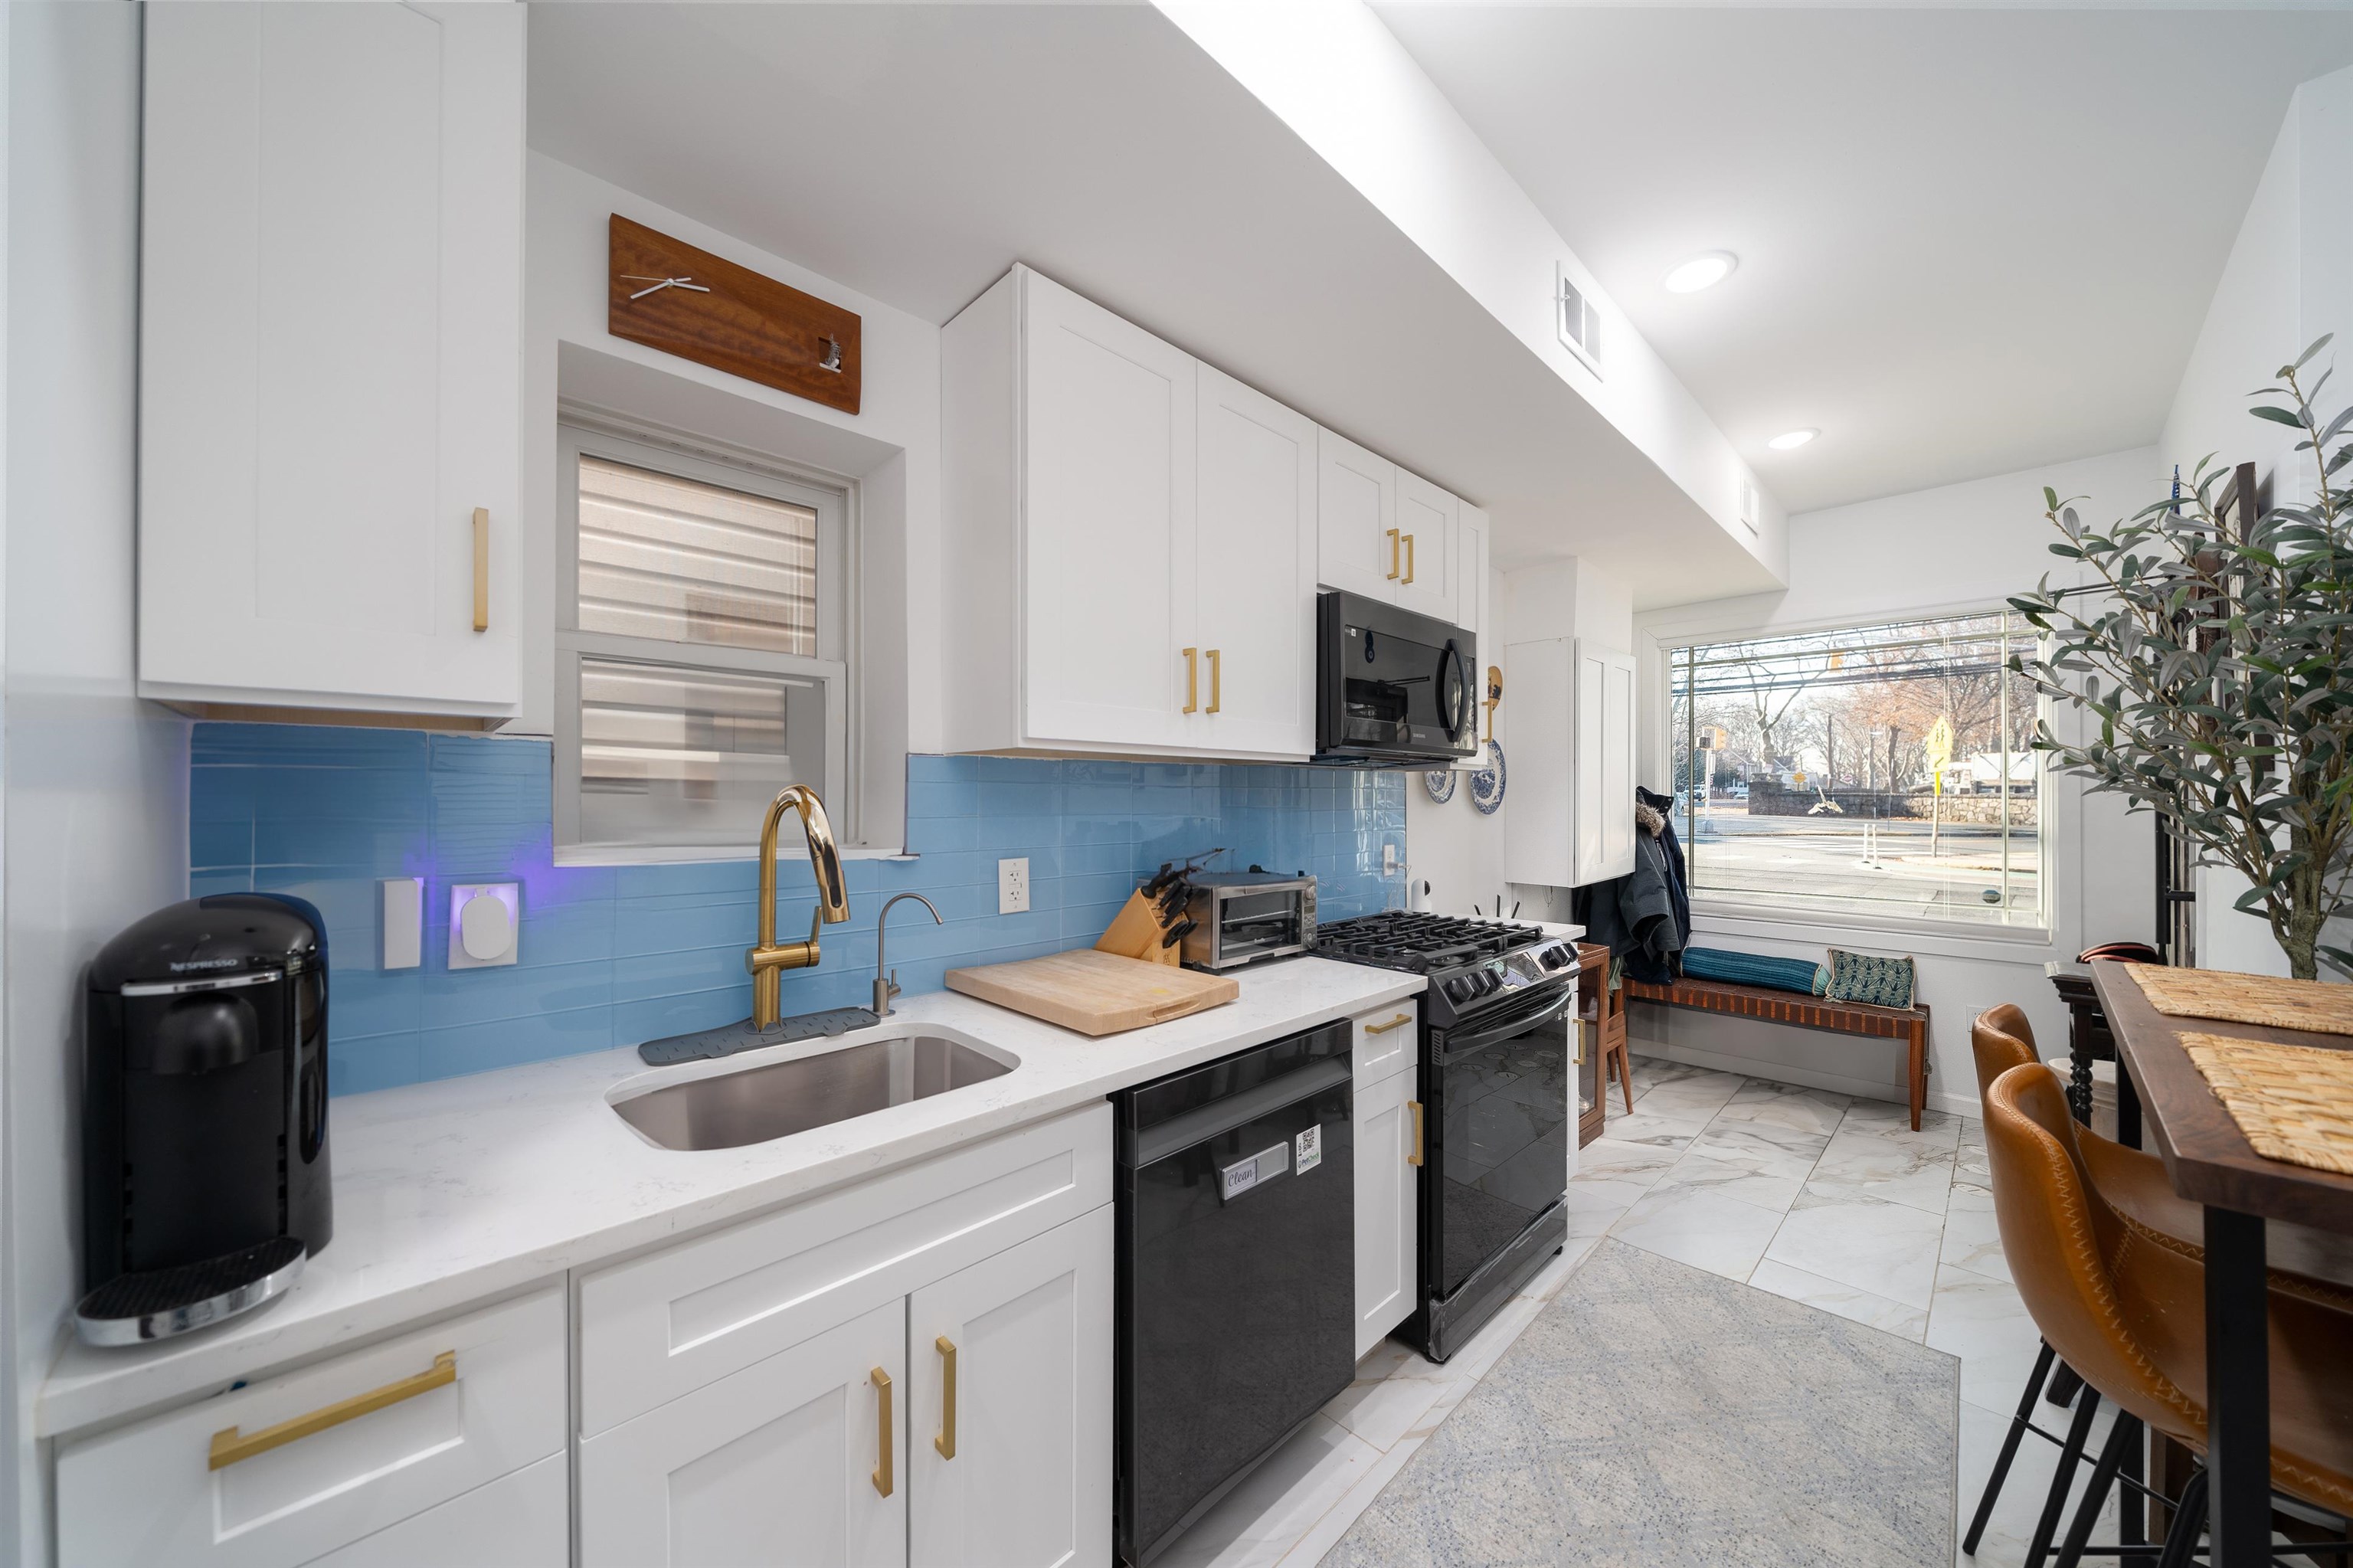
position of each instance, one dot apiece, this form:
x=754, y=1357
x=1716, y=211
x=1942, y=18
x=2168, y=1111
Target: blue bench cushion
x=1800, y=975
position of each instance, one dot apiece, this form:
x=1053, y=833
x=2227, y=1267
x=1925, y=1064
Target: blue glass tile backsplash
x=616, y=955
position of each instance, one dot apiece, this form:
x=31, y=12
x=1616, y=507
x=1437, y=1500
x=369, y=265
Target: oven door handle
x=1458, y=1044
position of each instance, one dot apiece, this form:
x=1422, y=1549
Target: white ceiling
x=1970, y=241
x=913, y=152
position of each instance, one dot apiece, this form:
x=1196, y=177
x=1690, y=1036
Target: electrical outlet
x=1013, y=885
x=1388, y=860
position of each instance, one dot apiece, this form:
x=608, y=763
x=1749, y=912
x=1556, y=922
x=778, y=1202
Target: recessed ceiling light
x=1790, y=441
x=1702, y=271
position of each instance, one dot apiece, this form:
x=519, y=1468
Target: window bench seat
x=1909, y=1024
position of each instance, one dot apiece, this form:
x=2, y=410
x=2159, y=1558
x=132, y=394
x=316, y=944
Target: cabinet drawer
x=522, y=1521
x=669, y=1323
x=149, y=1493
x=1386, y=1039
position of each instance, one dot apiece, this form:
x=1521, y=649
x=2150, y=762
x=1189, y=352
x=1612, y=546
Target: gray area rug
x=1655, y=1413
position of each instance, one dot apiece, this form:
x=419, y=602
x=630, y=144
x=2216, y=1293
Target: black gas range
x=1495, y=1070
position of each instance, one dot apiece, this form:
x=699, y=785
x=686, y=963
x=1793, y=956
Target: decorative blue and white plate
x=1487, y=783
x=1439, y=783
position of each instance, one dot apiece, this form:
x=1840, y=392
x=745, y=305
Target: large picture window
x=1868, y=773
x=700, y=646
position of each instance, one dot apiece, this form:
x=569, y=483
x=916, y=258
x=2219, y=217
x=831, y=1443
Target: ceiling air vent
x=1574, y=317
x=1748, y=504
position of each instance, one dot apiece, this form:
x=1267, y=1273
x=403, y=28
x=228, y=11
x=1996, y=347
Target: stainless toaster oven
x=1238, y=916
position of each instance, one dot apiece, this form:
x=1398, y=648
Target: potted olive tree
x=2212, y=656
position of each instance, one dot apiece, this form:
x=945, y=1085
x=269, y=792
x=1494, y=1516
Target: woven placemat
x=2235, y=998
x=2294, y=1102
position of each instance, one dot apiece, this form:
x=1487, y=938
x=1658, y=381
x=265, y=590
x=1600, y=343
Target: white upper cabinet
x=331, y=356
x=1108, y=524
x=1571, y=816
x=1255, y=572
x=1129, y=540
x=1384, y=533
x=1358, y=549
x=1425, y=525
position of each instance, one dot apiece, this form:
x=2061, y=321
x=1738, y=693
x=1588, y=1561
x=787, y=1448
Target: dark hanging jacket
x=1645, y=916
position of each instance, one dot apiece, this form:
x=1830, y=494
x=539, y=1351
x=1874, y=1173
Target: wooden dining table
x=2210, y=1162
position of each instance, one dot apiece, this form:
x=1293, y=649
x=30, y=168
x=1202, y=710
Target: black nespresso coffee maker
x=203, y=1115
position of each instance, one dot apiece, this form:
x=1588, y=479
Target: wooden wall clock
x=668, y=295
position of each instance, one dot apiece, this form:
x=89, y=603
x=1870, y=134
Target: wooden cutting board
x=1095, y=993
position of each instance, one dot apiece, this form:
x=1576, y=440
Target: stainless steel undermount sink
x=754, y=1102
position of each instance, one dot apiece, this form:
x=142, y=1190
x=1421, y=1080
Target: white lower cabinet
x=1388, y=1142
x=801, y=1458
x=521, y=1521
x=1020, y=1348
x=351, y=1447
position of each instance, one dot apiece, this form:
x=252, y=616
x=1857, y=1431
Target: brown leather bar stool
x=2128, y=1314
x=2135, y=1184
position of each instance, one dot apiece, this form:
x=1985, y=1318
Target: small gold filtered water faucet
x=768, y=958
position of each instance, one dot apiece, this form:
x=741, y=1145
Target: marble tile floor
x=1825, y=1199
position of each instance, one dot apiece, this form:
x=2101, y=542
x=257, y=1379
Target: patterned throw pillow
x=1872, y=980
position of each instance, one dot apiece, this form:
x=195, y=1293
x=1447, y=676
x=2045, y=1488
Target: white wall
x=2289, y=280
x=96, y=806
x=1957, y=547
x=1333, y=71
x=889, y=449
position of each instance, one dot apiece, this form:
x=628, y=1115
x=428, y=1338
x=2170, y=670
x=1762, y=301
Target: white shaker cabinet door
x=1256, y=571
x=1019, y=1346
x=1107, y=544
x=1602, y=766
x=1358, y=548
x=330, y=356
x=1425, y=525
x=798, y=1459
x=1387, y=1222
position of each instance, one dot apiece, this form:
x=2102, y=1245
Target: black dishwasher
x=1236, y=1272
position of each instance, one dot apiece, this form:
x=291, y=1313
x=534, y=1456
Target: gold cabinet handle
x=1409, y=559
x=946, y=1441
x=481, y=568
x=1415, y=1158
x=881, y=1382
x=1393, y=555
x=1216, y=687
x=1399, y=1021
x=1192, y=679
x=229, y=1446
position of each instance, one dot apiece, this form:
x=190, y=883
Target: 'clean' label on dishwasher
x=1307, y=1151
x=1242, y=1175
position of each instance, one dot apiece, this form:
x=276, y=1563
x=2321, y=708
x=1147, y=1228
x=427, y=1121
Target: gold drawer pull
x=881, y=1382
x=946, y=1441
x=481, y=568
x=1415, y=1158
x=229, y=1446
x=1215, y=686
x=1399, y=1021
x=1393, y=555
x=1192, y=679
x=1409, y=561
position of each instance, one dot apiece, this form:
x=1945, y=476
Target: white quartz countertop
x=459, y=1191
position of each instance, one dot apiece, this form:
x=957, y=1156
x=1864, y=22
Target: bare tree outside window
x=1807, y=782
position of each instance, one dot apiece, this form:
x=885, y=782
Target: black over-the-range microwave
x=1392, y=688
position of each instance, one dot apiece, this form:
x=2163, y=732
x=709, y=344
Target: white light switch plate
x=1012, y=885
x=485, y=924
x=404, y=922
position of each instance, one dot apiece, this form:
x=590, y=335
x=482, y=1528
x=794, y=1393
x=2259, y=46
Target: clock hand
x=661, y=284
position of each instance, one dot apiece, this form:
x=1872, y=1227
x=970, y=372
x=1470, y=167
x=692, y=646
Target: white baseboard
x=1804, y=1077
